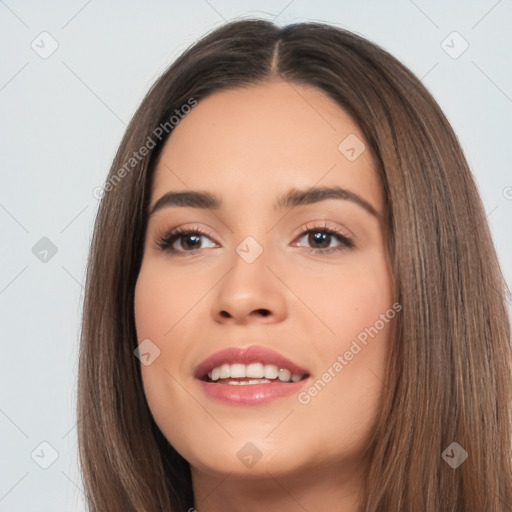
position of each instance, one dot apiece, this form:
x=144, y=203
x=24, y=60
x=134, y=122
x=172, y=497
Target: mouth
x=249, y=375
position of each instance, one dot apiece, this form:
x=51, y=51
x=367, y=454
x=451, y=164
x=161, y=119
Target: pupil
x=319, y=237
x=193, y=245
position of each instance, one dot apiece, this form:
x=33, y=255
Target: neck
x=313, y=489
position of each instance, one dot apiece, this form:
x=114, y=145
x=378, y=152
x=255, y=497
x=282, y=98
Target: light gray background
x=63, y=117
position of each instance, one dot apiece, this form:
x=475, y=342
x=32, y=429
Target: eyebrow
x=294, y=197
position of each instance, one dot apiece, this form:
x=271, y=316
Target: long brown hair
x=449, y=377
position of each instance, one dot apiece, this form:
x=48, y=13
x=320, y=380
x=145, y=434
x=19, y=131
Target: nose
x=249, y=292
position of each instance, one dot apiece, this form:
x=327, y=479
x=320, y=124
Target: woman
x=293, y=300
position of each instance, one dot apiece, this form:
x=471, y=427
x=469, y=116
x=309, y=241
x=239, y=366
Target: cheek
x=346, y=392
x=162, y=307
x=359, y=314
x=158, y=310
x=346, y=299
x=162, y=298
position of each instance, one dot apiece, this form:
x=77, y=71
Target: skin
x=250, y=145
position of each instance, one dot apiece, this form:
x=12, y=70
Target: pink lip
x=251, y=394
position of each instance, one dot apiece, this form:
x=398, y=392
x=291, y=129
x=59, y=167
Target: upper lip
x=246, y=355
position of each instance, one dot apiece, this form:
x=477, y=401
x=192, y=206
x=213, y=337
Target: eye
x=323, y=236
x=189, y=239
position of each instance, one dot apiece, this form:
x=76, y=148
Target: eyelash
x=165, y=241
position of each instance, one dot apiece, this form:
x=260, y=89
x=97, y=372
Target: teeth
x=271, y=371
x=225, y=371
x=254, y=370
x=284, y=375
x=262, y=373
x=251, y=381
x=221, y=372
x=237, y=371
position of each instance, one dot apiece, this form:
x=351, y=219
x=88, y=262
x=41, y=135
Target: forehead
x=257, y=140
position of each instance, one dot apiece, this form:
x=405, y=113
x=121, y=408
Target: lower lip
x=250, y=394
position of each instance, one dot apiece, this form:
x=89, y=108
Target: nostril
x=262, y=312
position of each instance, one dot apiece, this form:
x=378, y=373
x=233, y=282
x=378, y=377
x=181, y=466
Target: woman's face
x=264, y=273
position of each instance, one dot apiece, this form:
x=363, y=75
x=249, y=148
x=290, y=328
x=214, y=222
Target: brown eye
x=189, y=240
x=321, y=238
